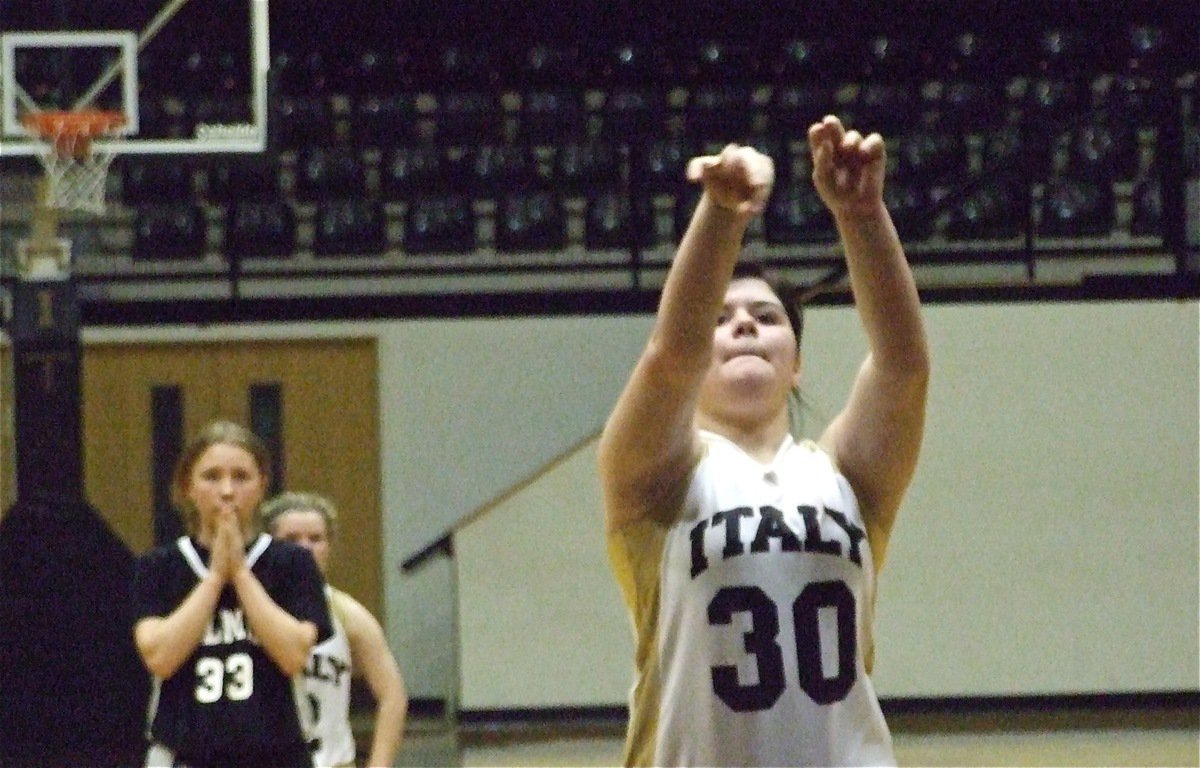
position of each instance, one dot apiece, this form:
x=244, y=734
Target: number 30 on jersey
x=760, y=642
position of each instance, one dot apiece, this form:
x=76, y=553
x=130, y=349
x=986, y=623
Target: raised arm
x=876, y=438
x=286, y=639
x=371, y=656
x=649, y=444
x=165, y=642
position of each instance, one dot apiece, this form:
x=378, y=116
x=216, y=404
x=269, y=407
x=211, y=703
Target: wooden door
x=327, y=402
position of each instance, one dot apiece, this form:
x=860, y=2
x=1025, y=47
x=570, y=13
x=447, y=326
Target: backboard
x=190, y=76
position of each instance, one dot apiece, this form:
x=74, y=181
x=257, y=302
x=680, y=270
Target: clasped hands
x=228, y=546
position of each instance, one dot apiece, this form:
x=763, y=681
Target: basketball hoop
x=76, y=168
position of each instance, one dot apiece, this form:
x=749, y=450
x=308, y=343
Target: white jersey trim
x=188, y=550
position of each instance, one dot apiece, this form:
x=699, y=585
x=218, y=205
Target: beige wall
x=1048, y=544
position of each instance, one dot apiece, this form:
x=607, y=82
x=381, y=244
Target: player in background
x=358, y=646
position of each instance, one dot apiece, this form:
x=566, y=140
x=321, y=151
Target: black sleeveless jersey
x=229, y=702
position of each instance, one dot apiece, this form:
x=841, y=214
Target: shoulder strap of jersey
x=188, y=550
x=337, y=604
x=260, y=545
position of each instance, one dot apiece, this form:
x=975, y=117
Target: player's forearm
x=648, y=435
x=691, y=296
x=286, y=639
x=884, y=291
x=164, y=643
x=390, y=715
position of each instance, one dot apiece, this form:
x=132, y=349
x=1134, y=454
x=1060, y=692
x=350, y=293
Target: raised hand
x=218, y=561
x=236, y=553
x=739, y=179
x=848, y=169
x=227, y=546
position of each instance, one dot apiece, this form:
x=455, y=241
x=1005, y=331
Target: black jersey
x=229, y=702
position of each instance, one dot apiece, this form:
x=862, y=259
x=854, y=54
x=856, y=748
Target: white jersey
x=753, y=611
x=327, y=684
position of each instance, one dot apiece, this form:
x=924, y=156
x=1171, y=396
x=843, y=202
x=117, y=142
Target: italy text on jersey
x=326, y=667
x=770, y=525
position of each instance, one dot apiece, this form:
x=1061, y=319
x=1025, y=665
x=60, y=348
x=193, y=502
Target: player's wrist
x=860, y=212
x=727, y=213
x=240, y=574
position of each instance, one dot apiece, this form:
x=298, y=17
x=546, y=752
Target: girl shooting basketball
x=747, y=559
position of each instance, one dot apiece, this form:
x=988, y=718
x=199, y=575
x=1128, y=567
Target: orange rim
x=73, y=131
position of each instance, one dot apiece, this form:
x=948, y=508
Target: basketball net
x=76, y=168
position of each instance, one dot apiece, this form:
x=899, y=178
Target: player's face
x=307, y=528
x=754, y=346
x=226, y=477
